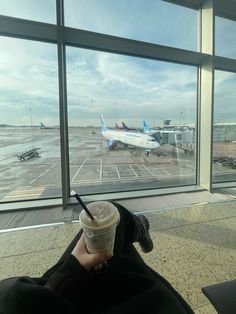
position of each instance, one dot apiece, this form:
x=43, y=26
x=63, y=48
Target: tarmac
x=93, y=168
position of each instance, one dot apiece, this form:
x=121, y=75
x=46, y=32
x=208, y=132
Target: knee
x=121, y=209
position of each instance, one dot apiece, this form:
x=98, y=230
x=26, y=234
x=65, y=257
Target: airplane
x=125, y=127
x=135, y=139
x=43, y=127
x=119, y=127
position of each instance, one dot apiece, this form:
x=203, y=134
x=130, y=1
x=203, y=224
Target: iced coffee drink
x=100, y=233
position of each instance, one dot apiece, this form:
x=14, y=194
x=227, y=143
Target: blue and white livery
x=135, y=139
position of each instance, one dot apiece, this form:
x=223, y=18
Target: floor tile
x=188, y=264
x=31, y=264
x=25, y=241
x=66, y=234
x=207, y=309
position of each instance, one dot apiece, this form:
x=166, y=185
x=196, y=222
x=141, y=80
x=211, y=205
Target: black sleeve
x=21, y=295
x=69, y=279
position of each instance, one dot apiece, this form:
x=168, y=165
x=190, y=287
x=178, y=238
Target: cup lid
x=104, y=213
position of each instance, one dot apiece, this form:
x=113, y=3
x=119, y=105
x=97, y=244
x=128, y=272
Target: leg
x=130, y=229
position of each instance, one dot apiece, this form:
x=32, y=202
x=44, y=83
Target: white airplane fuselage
x=131, y=138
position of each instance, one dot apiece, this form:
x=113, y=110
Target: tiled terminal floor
x=195, y=246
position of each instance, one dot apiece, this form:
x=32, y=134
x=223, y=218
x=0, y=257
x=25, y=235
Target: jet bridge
x=184, y=140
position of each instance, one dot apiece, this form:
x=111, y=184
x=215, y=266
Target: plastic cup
x=100, y=233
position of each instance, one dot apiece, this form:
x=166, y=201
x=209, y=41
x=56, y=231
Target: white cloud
x=30, y=79
x=121, y=86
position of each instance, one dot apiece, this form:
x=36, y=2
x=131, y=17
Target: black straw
x=82, y=204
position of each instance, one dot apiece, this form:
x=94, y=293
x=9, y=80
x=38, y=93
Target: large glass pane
x=154, y=21
x=128, y=91
x=29, y=121
x=43, y=11
x=225, y=31
x=224, y=136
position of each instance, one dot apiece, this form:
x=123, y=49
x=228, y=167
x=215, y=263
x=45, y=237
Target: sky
x=123, y=88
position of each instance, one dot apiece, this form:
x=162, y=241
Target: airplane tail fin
x=125, y=126
x=42, y=125
x=145, y=127
x=103, y=125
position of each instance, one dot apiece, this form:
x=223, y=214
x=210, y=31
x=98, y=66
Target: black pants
x=126, y=234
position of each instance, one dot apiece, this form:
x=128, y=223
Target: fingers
x=89, y=260
x=81, y=246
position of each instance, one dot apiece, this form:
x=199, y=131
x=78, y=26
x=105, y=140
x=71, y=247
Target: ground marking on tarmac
x=101, y=169
x=41, y=174
x=21, y=193
x=133, y=170
x=166, y=171
x=117, y=172
x=149, y=171
x=95, y=181
x=78, y=170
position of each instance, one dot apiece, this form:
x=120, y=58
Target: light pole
x=31, y=120
x=180, y=122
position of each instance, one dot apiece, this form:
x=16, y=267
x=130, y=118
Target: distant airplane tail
x=125, y=126
x=42, y=125
x=103, y=125
x=145, y=127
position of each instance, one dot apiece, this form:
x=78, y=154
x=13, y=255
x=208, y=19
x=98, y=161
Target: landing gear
x=147, y=153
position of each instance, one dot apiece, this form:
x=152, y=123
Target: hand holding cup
x=89, y=260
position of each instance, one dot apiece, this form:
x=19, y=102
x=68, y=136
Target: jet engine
x=112, y=144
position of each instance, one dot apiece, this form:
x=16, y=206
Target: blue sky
x=40, y=10
x=153, y=20
x=122, y=87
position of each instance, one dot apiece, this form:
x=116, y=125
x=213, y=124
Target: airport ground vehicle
x=29, y=154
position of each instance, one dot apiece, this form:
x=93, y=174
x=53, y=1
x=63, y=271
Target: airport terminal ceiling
x=111, y=119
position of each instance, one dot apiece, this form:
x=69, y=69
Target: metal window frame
x=204, y=59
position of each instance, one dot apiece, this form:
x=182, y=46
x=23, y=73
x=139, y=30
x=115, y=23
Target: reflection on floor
x=195, y=246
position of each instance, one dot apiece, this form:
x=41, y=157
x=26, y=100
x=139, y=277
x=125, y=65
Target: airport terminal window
x=126, y=90
x=42, y=11
x=225, y=37
x=154, y=21
x=224, y=130
x=136, y=101
x=29, y=125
